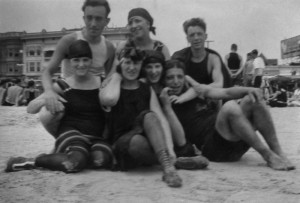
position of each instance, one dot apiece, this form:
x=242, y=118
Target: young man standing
x=234, y=62
x=203, y=65
x=96, y=19
x=258, y=66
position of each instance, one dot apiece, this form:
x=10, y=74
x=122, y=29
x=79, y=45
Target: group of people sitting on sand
x=136, y=105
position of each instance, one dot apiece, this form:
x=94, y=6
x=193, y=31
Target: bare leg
x=233, y=125
x=262, y=121
x=154, y=133
x=50, y=121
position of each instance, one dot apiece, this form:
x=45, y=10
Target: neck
x=143, y=42
x=156, y=87
x=89, y=38
x=198, y=54
x=130, y=84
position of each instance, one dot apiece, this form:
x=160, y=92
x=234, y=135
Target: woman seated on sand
x=133, y=122
x=80, y=138
x=294, y=101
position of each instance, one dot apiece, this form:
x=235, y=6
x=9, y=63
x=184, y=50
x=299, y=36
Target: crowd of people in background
x=251, y=74
x=14, y=92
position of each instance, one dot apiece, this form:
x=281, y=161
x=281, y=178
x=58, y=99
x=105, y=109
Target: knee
x=76, y=162
x=151, y=117
x=231, y=110
x=139, y=144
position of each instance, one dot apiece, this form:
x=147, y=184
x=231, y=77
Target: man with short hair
x=202, y=64
x=258, y=67
x=96, y=19
x=234, y=62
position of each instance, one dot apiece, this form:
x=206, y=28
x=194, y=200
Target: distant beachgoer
x=279, y=97
x=3, y=91
x=258, y=66
x=295, y=99
x=80, y=138
x=248, y=71
x=133, y=123
x=30, y=92
x=14, y=96
x=234, y=62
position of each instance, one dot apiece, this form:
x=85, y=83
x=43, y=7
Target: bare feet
x=287, y=162
x=276, y=162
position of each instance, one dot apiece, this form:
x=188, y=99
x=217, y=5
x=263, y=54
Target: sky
x=255, y=24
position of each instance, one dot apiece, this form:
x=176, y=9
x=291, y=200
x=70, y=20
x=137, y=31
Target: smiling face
x=175, y=80
x=138, y=26
x=130, y=69
x=95, y=19
x=196, y=36
x=153, y=72
x=81, y=65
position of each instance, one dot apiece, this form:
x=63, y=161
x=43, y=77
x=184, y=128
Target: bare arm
x=225, y=93
x=35, y=105
x=215, y=65
x=178, y=134
x=110, y=94
x=51, y=97
x=155, y=107
x=241, y=66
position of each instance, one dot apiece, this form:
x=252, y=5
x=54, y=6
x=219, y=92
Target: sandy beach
x=248, y=180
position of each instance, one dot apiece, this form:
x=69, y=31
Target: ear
x=205, y=36
x=107, y=20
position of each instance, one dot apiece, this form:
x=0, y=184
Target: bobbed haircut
x=94, y=3
x=194, y=22
x=131, y=53
x=173, y=63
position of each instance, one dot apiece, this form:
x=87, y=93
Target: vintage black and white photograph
x=149, y=101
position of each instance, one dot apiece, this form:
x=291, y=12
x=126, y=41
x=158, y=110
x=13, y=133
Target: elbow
x=108, y=100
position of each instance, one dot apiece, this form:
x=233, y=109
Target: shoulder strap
x=63, y=85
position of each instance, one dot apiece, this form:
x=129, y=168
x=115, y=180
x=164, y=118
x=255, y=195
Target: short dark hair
x=254, y=52
x=172, y=63
x=234, y=47
x=194, y=22
x=94, y=3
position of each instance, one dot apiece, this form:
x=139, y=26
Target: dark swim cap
x=144, y=14
x=80, y=48
x=153, y=56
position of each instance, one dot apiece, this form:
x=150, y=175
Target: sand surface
x=248, y=180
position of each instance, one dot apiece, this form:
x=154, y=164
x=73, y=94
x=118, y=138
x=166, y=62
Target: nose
x=93, y=22
x=176, y=80
x=81, y=63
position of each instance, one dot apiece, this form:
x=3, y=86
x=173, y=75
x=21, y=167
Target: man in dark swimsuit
x=234, y=62
x=202, y=64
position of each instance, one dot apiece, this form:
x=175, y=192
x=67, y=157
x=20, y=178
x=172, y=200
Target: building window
x=10, y=52
x=10, y=68
x=48, y=54
x=31, y=52
x=38, y=66
x=31, y=67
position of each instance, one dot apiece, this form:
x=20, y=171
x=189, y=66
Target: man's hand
x=53, y=102
x=194, y=84
x=255, y=95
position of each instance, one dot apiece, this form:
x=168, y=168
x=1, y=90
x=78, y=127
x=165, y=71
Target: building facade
x=23, y=55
